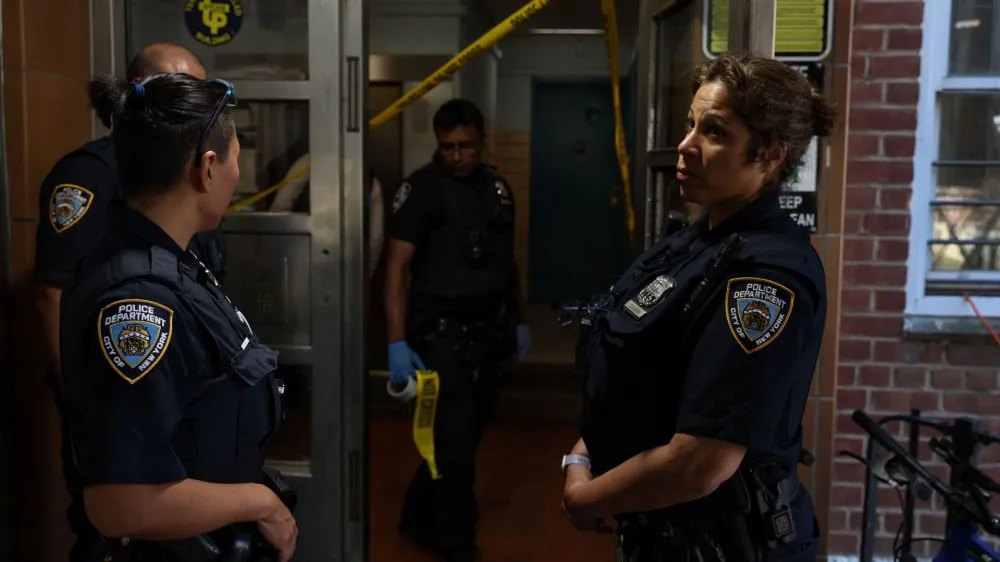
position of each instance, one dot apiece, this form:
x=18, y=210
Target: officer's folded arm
x=731, y=403
x=134, y=482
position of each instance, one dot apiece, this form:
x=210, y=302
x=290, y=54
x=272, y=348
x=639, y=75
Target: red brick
x=868, y=40
x=984, y=355
x=845, y=425
x=899, y=146
x=836, y=520
x=930, y=524
x=908, y=352
x=892, y=250
x=946, y=379
x=874, y=375
x=845, y=494
x=856, y=300
x=837, y=541
x=867, y=92
x=972, y=403
x=888, y=224
x=852, y=222
x=890, y=301
x=854, y=444
x=868, y=172
x=852, y=471
x=904, y=39
x=871, y=326
x=909, y=377
x=889, y=13
x=858, y=249
x=874, y=274
x=859, y=66
x=851, y=350
x=981, y=380
x=852, y=399
x=883, y=119
x=864, y=145
x=902, y=401
x=902, y=93
x=845, y=374
x=905, y=66
x=894, y=198
x=860, y=198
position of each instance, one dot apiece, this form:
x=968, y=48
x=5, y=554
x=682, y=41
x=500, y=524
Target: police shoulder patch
x=402, y=194
x=134, y=335
x=757, y=311
x=68, y=204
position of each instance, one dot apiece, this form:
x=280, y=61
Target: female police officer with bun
x=173, y=394
x=699, y=360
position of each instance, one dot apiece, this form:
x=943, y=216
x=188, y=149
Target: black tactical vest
x=227, y=418
x=470, y=248
x=636, y=362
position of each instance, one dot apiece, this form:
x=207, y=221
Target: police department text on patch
x=757, y=311
x=134, y=334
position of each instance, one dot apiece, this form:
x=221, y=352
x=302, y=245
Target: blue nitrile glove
x=523, y=342
x=401, y=362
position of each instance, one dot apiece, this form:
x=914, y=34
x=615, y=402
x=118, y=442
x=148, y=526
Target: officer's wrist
x=265, y=502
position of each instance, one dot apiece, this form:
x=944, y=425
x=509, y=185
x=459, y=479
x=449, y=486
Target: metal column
x=751, y=26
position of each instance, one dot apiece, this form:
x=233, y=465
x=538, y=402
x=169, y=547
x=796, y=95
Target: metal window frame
x=922, y=297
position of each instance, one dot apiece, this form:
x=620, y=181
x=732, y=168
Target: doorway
x=578, y=241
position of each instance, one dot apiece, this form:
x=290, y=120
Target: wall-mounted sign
x=803, y=29
x=213, y=22
x=802, y=208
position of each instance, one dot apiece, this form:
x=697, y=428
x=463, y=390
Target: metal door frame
x=7, y=533
x=334, y=482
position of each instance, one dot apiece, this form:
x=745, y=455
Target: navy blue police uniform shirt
x=438, y=213
x=739, y=373
x=78, y=203
x=167, y=376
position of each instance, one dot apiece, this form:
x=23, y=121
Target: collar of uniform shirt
x=686, y=469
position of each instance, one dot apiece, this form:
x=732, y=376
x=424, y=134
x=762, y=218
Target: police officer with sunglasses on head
x=171, y=393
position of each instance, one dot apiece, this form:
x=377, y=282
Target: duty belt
x=640, y=540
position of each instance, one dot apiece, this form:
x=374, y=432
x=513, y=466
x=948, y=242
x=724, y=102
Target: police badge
x=402, y=194
x=504, y=193
x=650, y=296
x=68, y=205
x=134, y=334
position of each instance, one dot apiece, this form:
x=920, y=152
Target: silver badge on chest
x=650, y=296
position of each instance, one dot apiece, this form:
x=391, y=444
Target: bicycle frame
x=962, y=542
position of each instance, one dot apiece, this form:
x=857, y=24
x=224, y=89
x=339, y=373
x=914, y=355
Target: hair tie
x=139, y=89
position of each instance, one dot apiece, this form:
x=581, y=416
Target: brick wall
x=878, y=369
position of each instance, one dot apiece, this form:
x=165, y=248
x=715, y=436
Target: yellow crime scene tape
x=457, y=62
x=428, y=389
x=611, y=40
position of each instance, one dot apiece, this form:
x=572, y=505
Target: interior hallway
x=519, y=487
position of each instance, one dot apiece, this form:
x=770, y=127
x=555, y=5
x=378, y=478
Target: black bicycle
x=966, y=495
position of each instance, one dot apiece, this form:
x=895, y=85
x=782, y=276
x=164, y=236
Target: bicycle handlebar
x=959, y=499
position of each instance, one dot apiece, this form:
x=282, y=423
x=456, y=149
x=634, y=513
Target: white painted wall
x=547, y=56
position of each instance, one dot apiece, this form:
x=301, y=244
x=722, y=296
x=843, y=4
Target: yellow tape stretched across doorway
x=457, y=62
x=611, y=40
x=428, y=390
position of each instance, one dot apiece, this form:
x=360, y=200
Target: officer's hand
x=402, y=360
x=280, y=529
x=523, y=343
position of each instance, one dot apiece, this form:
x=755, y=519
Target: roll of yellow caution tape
x=611, y=39
x=428, y=390
x=461, y=59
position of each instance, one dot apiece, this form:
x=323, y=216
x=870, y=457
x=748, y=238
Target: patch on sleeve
x=68, y=204
x=134, y=335
x=402, y=194
x=757, y=311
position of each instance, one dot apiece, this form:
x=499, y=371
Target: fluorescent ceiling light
x=565, y=31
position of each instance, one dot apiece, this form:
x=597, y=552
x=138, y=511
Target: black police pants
x=444, y=511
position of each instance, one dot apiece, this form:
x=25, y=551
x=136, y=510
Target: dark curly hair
x=775, y=102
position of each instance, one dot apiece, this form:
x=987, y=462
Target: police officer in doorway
x=78, y=203
x=172, y=396
x=453, y=228
x=698, y=361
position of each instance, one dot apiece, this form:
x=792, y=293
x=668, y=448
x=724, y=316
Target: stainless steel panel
x=248, y=90
x=274, y=223
x=403, y=68
x=269, y=282
x=354, y=475
x=107, y=53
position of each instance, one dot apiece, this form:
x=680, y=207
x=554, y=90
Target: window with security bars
x=958, y=166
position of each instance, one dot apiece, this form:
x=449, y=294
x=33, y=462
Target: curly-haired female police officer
x=173, y=394
x=700, y=358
